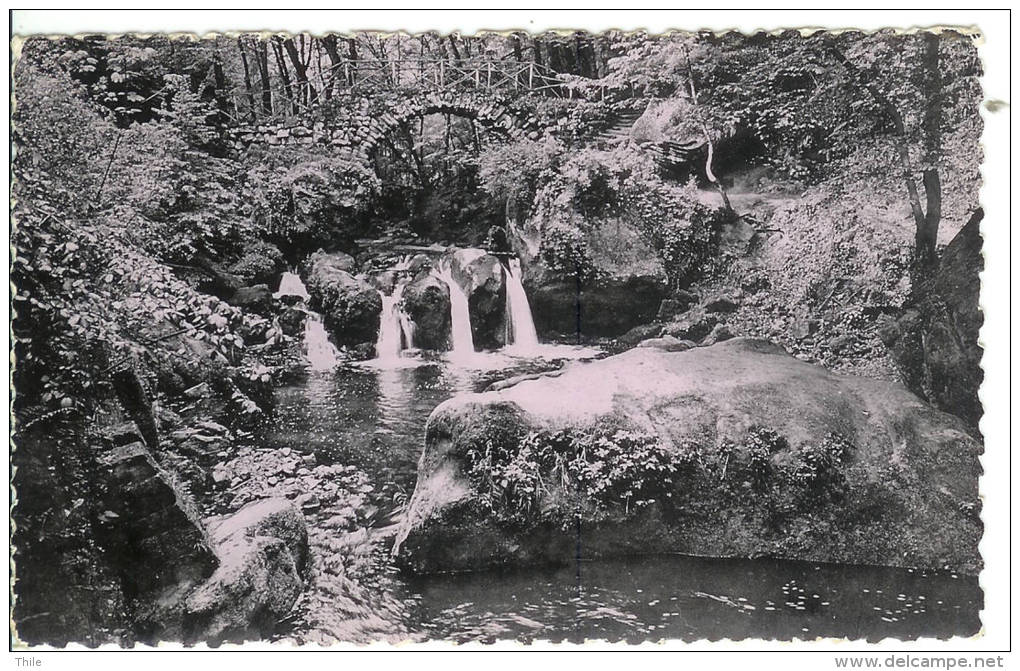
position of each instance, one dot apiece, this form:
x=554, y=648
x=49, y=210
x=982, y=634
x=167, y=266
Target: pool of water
x=674, y=597
x=374, y=417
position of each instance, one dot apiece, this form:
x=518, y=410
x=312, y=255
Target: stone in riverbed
x=639, y=333
x=694, y=325
x=257, y=299
x=722, y=304
x=743, y=425
x=720, y=332
x=676, y=305
x=308, y=502
x=292, y=321
x=263, y=552
x=426, y=301
x=350, y=306
x=668, y=344
x=481, y=276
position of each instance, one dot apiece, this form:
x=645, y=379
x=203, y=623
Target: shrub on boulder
x=260, y=263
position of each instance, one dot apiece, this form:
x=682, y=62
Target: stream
x=371, y=416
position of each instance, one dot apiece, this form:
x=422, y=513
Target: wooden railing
x=364, y=77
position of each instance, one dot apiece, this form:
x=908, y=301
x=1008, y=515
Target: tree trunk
x=352, y=56
x=220, y=81
x=247, y=79
x=521, y=79
x=329, y=44
x=453, y=46
x=415, y=156
x=927, y=225
x=928, y=233
x=536, y=55
x=281, y=66
x=708, y=137
x=305, y=90
x=262, y=57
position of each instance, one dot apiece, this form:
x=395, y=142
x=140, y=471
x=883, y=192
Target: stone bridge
x=358, y=124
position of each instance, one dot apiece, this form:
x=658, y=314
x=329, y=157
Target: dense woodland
x=843, y=162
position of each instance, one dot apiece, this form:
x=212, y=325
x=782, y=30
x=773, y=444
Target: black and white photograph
x=429, y=336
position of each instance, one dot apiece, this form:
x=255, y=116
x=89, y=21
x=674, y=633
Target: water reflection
x=669, y=597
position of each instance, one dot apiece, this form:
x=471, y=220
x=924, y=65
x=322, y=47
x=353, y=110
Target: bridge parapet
x=360, y=126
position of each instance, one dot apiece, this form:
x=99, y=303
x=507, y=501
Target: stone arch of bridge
x=489, y=113
x=358, y=129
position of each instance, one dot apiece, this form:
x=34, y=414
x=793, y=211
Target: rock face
x=482, y=278
x=257, y=299
x=292, y=320
x=608, y=308
x=145, y=523
x=676, y=305
x=350, y=305
x=263, y=552
x=696, y=324
x=733, y=450
x=935, y=341
x=427, y=303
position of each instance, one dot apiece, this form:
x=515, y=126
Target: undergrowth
x=609, y=469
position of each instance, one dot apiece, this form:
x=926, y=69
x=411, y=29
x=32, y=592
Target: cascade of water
x=394, y=326
x=320, y=352
x=521, y=335
x=406, y=329
x=291, y=285
x=460, y=315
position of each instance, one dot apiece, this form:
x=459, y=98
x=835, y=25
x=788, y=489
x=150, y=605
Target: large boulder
x=607, y=308
x=292, y=320
x=263, y=553
x=695, y=324
x=260, y=262
x=426, y=302
x=350, y=306
x=257, y=299
x=481, y=275
x=733, y=450
x=935, y=341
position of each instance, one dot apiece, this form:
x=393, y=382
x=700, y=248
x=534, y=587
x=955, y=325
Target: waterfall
x=320, y=352
x=406, y=329
x=291, y=285
x=521, y=335
x=460, y=315
x=395, y=329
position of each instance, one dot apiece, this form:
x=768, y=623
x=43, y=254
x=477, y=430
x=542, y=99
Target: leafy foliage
x=606, y=468
x=293, y=193
x=817, y=473
x=761, y=444
x=585, y=189
x=260, y=261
